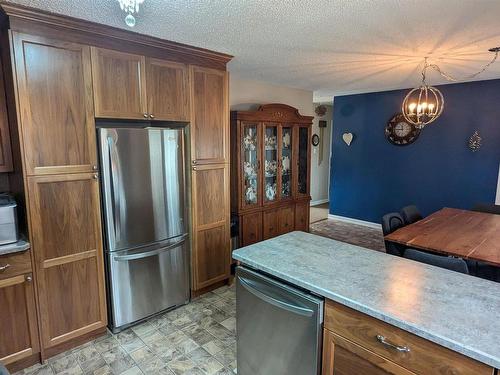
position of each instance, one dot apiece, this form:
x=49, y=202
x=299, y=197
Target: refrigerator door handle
x=114, y=175
x=150, y=253
x=273, y=301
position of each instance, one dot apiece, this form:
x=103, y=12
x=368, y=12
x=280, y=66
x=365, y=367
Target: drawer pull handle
x=4, y=268
x=403, y=349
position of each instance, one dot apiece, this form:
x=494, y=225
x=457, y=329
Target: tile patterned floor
x=351, y=233
x=196, y=339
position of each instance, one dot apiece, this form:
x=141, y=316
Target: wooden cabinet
x=357, y=343
x=18, y=321
x=135, y=87
x=68, y=254
x=167, y=90
x=252, y=228
x=211, y=242
x=5, y=149
x=270, y=164
x=119, y=84
x=55, y=102
x=302, y=210
x=209, y=116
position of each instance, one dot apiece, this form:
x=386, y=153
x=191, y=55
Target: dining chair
x=410, y=214
x=391, y=222
x=487, y=208
x=443, y=261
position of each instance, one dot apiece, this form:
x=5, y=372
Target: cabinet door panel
x=119, y=84
x=55, y=102
x=342, y=357
x=209, y=116
x=302, y=216
x=270, y=224
x=68, y=254
x=286, y=220
x=5, y=149
x=251, y=228
x=18, y=326
x=167, y=90
x=211, y=240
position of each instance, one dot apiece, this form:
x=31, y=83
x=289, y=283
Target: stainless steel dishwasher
x=279, y=327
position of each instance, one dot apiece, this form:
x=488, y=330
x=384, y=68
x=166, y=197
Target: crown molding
x=26, y=19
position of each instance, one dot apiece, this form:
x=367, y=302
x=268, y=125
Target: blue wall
x=373, y=177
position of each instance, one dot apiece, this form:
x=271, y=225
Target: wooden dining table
x=466, y=234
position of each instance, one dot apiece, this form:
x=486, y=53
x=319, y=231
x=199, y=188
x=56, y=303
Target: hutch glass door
x=250, y=164
x=286, y=161
x=303, y=161
x=270, y=163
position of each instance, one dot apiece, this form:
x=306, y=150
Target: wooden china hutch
x=270, y=171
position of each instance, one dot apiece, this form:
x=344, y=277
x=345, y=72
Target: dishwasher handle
x=273, y=301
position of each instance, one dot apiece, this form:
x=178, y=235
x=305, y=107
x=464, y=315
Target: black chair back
x=454, y=264
x=391, y=222
x=487, y=208
x=410, y=214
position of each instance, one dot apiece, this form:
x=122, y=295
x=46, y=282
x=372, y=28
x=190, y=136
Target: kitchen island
x=374, y=300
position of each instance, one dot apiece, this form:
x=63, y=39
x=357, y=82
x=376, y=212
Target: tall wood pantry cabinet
x=270, y=179
x=61, y=74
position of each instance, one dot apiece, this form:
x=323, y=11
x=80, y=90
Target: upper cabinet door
x=167, y=90
x=119, y=84
x=209, y=116
x=55, y=101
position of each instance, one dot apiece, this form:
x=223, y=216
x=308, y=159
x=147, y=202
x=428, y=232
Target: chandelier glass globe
x=423, y=105
x=131, y=7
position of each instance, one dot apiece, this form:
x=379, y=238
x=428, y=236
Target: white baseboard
x=355, y=221
x=320, y=201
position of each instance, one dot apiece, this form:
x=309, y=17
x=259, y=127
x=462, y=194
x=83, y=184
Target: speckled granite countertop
x=457, y=311
x=16, y=247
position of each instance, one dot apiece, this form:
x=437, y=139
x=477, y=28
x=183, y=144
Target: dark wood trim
x=30, y=20
x=23, y=363
x=274, y=112
x=218, y=284
x=73, y=343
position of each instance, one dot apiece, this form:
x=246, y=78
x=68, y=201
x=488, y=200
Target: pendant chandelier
x=424, y=104
x=130, y=7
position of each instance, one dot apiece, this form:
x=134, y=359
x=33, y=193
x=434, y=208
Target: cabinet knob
x=94, y=167
x=29, y=279
x=145, y=115
x=194, y=162
x=95, y=176
x=151, y=116
x=195, y=169
x=4, y=268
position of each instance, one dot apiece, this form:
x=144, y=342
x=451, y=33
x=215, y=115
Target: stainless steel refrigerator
x=145, y=220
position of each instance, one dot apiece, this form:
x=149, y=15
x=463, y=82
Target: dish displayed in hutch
x=270, y=171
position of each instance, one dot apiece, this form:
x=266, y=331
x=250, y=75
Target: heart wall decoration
x=348, y=138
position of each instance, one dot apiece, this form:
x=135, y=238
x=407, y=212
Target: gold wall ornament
x=475, y=141
x=424, y=104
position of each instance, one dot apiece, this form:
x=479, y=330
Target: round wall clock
x=315, y=140
x=400, y=132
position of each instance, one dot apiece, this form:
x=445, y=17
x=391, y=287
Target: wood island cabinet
x=61, y=75
x=355, y=343
x=270, y=178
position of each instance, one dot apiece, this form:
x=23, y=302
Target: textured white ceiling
x=332, y=47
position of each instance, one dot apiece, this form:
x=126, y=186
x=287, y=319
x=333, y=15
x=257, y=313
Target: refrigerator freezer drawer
x=143, y=284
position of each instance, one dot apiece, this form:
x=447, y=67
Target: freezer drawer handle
x=149, y=253
x=273, y=301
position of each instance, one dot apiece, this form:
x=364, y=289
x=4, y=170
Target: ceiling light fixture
x=131, y=7
x=424, y=104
